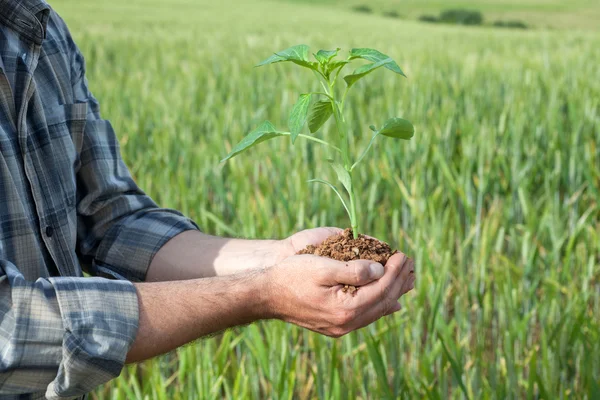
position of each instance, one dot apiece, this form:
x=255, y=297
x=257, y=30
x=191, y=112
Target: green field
x=497, y=197
x=554, y=14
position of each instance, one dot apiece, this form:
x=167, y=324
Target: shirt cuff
x=128, y=248
x=100, y=318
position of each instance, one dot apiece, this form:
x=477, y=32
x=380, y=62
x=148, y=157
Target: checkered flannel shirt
x=67, y=203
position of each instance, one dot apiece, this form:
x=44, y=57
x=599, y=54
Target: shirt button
x=49, y=231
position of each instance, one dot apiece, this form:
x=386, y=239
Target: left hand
x=298, y=241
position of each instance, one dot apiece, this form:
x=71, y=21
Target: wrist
x=272, y=252
x=261, y=296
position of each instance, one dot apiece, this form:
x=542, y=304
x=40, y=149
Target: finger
x=374, y=313
x=356, y=272
x=395, y=308
x=322, y=234
x=313, y=237
x=390, y=287
x=405, y=277
x=408, y=285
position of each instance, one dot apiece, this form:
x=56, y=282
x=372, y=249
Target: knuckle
x=361, y=273
x=344, y=317
x=403, y=265
x=385, y=292
x=322, y=274
x=388, y=303
x=411, y=265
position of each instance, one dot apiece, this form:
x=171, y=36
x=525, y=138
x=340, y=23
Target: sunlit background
x=496, y=196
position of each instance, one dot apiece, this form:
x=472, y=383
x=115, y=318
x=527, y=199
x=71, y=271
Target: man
x=67, y=203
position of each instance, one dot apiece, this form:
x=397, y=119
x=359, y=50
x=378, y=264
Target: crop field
x=497, y=196
x=573, y=14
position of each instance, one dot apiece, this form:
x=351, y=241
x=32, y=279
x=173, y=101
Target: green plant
x=429, y=18
x=363, y=9
x=515, y=24
x=461, y=16
x=329, y=103
x=392, y=14
x=505, y=236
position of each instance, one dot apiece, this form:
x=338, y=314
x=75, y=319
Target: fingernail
x=376, y=270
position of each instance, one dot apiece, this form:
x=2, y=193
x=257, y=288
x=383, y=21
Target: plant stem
x=353, y=216
x=343, y=133
x=345, y=147
x=344, y=99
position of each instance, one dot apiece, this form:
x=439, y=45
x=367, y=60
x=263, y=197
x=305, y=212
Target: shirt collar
x=26, y=17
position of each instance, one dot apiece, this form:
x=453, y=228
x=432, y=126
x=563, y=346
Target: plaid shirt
x=67, y=202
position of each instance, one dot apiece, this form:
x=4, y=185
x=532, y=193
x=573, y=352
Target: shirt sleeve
x=120, y=228
x=62, y=336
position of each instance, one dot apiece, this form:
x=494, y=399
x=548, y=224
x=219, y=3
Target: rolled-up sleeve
x=63, y=336
x=120, y=228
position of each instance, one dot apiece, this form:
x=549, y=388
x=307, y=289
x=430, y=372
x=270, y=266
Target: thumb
x=355, y=273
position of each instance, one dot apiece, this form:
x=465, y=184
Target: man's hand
x=307, y=290
x=299, y=241
x=302, y=289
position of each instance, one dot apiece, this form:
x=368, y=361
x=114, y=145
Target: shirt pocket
x=68, y=117
x=65, y=127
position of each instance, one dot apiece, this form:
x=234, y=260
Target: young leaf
x=375, y=56
x=324, y=56
x=296, y=54
x=298, y=116
x=372, y=127
x=329, y=68
x=343, y=176
x=321, y=181
x=397, y=128
x=264, y=132
x=319, y=114
x=364, y=70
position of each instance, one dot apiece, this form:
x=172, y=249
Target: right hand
x=306, y=290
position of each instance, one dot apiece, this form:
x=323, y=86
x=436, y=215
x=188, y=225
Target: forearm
x=193, y=254
x=172, y=314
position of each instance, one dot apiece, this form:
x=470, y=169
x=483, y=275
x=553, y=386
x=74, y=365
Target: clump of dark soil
x=344, y=247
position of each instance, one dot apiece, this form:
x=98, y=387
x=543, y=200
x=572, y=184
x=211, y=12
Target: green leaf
x=333, y=66
x=296, y=54
x=319, y=114
x=343, y=176
x=397, y=128
x=298, y=115
x=375, y=56
x=379, y=366
x=264, y=132
x=324, y=56
x=372, y=127
x=458, y=372
x=364, y=70
x=321, y=181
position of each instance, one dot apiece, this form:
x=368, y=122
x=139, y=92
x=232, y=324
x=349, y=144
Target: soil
x=344, y=247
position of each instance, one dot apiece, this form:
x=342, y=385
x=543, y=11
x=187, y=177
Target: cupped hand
x=298, y=241
x=306, y=290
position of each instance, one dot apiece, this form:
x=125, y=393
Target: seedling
x=316, y=108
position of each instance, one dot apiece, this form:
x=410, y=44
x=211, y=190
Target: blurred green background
x=496, y=196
